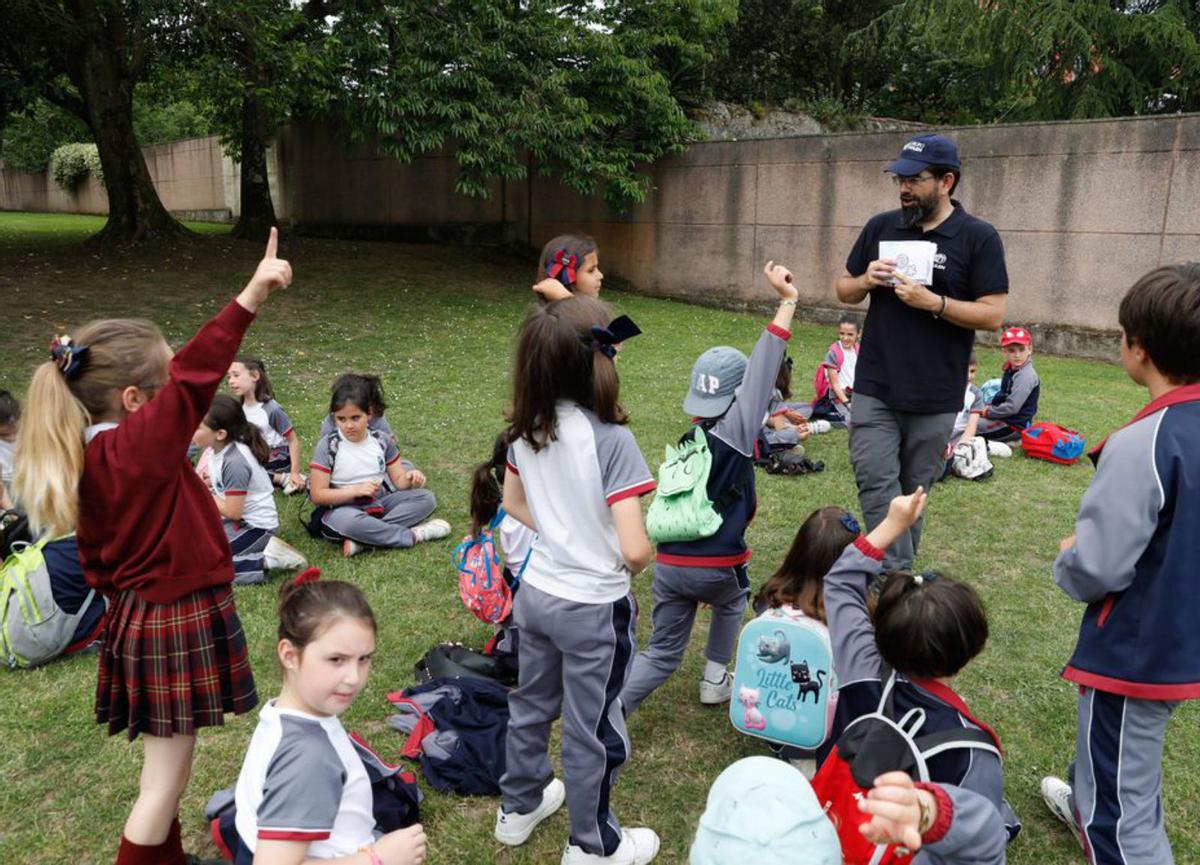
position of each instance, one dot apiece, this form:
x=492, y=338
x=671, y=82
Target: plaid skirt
x=170, y=668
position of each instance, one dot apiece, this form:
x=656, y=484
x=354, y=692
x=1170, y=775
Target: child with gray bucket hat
x=727, y=398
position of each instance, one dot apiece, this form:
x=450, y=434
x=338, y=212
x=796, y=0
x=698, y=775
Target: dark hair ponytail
x=308, y=607
x=928, y=625
x=226, y=414
x=487, y=485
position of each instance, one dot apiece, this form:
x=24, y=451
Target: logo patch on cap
x=916, y=146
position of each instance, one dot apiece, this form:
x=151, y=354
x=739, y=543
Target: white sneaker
x=282, y=556
x=352, y=548
x=514, y=829
x=715, y=693
x=430, y=530
x=638, y=847
x=819, y=427
x=998, y=449
x=1057, y=794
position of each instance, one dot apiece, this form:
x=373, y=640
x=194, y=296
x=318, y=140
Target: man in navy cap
x=917, y=339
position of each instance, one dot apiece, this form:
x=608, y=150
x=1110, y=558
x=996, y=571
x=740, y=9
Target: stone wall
x=1083, y=208
x=194, y=178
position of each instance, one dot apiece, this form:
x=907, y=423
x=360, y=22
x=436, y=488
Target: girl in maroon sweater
x=107, y=428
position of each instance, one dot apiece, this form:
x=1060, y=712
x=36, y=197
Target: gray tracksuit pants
x=893, y=453
x=1117, y=778
x=401, y=509
x=677, y=592
x=573, y=661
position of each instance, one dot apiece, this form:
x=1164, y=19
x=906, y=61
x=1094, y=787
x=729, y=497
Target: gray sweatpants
x=401, y=509
x=573, y=660
x=677, y=592
x=893, y=453
x=1117, y=781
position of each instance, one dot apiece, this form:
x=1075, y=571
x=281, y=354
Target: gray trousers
x=573, y=660
x=893, y=453
x=400, y=510
x=677, y=592
x=1117, y=781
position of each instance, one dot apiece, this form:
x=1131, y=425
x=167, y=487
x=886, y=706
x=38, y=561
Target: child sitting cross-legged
x=1014, y=407
x=925, y=629
x=366, y=495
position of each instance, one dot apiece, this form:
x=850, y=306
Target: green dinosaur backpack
x=681, y=510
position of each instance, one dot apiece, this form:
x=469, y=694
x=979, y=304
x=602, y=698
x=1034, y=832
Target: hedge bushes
x=71, y=164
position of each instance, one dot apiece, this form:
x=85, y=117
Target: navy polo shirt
x=909, y=359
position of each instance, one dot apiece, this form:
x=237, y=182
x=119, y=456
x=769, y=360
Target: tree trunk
x=99, y=72
x=257, y=211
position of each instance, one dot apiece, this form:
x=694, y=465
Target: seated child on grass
x=834, y=380
x=249, y=383
x=10, y=421
x=513, y=539
x=365, y=494
x=925, y=629
x=377, y=423
x=240, y=486
x=796, y=588
x=1014, y=407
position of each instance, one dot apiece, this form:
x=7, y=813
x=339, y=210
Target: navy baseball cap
x=923, y=151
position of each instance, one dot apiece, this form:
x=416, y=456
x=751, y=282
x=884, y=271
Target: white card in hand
x=914, y=258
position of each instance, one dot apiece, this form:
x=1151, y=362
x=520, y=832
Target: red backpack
x=481, y=583
x=870, y=746
x=1049, y=441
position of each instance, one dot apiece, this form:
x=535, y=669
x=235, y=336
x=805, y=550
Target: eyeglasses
x=900, y=180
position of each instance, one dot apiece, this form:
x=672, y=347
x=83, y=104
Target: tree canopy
x=590, y=92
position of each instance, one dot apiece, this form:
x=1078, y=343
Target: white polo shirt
x=302, y=780
x=571, y=485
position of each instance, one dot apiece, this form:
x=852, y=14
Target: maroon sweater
x=147, y=523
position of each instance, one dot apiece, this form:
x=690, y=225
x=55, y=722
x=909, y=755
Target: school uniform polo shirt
x=272, y=421
x=235, y=472
x=571, y=485
x=302, y=780
x=354, y=462
x=908, y=359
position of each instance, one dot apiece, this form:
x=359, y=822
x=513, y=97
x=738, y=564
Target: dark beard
x=911, y=216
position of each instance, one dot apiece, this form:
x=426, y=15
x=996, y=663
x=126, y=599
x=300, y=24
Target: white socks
x=714, y=672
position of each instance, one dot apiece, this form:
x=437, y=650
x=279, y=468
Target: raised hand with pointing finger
x=272, y=274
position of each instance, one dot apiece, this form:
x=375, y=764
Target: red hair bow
x=563, y=263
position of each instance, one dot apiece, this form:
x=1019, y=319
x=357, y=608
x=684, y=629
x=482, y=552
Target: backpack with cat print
x=481, y=583
x=34, y=629
x=681, y=510
x=783, y=658
x=870, y=746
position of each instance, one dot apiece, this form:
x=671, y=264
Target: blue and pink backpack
x=481, y=583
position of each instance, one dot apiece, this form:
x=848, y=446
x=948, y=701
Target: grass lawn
x=438, y=325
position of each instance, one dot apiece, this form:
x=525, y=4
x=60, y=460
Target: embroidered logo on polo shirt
x=939, y=260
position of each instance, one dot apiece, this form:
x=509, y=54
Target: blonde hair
x=122, y=352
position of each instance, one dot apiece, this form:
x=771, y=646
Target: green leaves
x=577, y=86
